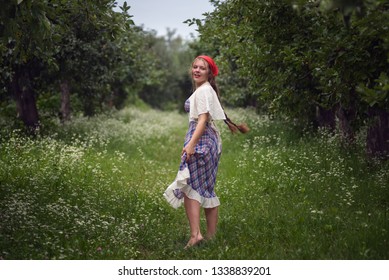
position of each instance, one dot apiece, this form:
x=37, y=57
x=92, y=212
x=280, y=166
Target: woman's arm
x=189, y=149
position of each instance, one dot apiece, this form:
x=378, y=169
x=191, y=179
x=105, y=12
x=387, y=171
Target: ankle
x=196, y=235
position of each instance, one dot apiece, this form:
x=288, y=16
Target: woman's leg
x=211, y=215
x=192, y=208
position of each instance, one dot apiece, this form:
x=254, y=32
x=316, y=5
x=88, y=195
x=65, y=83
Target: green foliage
x=377, y=95
x=292, y=56
x=93, y=53
x=94, y=190
x=99, y=55
x=166, y=83
x=317, y=62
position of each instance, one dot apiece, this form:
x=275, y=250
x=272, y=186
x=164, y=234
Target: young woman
x=195, y=181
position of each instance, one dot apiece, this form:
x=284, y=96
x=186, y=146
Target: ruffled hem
x=180, y=183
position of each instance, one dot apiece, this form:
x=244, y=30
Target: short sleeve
x=205, y=100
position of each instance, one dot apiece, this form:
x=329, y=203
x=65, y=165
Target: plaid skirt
x=196, y=178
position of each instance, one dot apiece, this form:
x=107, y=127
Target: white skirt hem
x=181, y=183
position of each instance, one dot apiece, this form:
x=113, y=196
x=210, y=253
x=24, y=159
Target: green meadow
x=93, y=190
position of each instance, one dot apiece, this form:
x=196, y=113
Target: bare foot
x=193, y=241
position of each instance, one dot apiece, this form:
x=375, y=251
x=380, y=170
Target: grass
x=93, y=190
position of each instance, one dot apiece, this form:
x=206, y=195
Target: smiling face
x=200, y=72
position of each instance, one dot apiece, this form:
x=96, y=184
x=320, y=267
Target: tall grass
x=93, y=190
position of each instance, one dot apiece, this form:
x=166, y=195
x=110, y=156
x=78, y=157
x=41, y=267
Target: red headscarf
x=211, y=63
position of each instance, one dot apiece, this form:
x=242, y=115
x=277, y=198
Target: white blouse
x=205, y=100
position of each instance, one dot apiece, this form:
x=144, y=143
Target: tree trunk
x=325, y=118
x=377, y=142
x=25, y=99
x=65, y=101
x=345, y=117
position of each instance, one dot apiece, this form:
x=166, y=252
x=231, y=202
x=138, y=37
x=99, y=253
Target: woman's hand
x=189, y=149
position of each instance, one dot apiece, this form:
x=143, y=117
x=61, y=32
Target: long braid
x=243, y=128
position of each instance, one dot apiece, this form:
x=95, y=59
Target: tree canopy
x=63, y=56
x=321, y=62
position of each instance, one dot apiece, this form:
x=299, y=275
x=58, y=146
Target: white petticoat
x=180, y=183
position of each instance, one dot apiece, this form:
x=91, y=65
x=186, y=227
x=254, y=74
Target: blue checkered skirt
x=196, y=178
